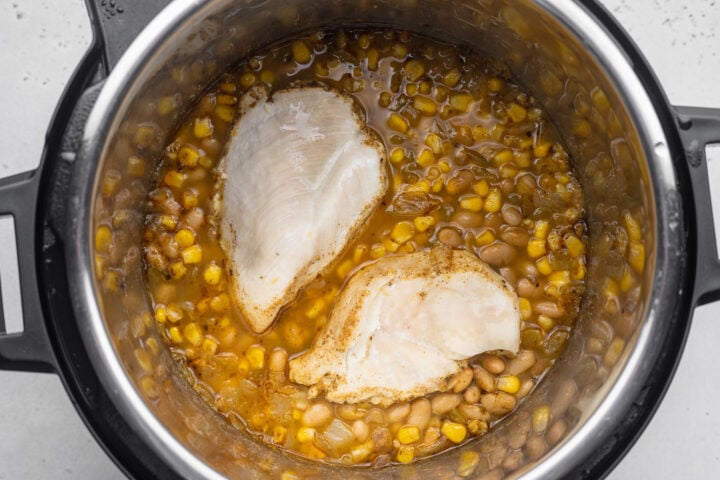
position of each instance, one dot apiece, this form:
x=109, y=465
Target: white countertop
x=41, y=435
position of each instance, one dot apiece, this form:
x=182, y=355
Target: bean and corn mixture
x=474, y=164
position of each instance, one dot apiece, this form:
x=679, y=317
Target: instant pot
x=640, y=154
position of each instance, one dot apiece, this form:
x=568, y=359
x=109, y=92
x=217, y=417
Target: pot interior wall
x=546, y=58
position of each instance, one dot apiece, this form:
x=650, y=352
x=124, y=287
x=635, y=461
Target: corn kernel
x=373, y=57
x=316, y=309
x=434, y=141
x=579, y=272
x=145, y=136
x=247, y=80
x=437, y=185
x=267, y=77
x=193, y=333
x=613, y=352
x=390, y=245
x=542, y=227
x=300, y=52
x=425, y=158
x=226, y=113
x=203, y=127
x=190, y=198
x=452, y=77
x=191, y=255
x=178, y=270
x=174, y=179
x=486, y=237
x=545, y=322
x=482, y=188
x=160, y=314
x=508, y=383
x=495, y=84
x=560, y=278
x=444, y=166
x=408, y=434
x=188, y=156
x=397, y=155
x=633, y=228
x=168, y=221
x=636, y=256
x=243, y=365
x=574, y=245
x=461, y=101
x=256, y=356
x=543, y=266
x=209, y=346
x=406, y=454
x=455, y=432
x=468, y=462
x=306, y=434
x=103, y=238
x=474, y=203
x=582, y=128
x=279, y=437
x=627, y=281
x=166, y=105
x=377, y=251
x=503, y=156
x=497, y=132
x=541, y=149
x=344, y=269
x=425, y=105
x=362, y=451
x=423, y=223
x=398, y=123
x=220, y=303
x=493, y=202
x=541, y=419
x=185, y=237
x=414, y=70
x=421, y=185
x=525, y=308
x=517, y=113
x=135, y=166
x=175, y=335
x=402, y=232
x=536, y=248
x=523, y=159
x=174, y=313
x=212, y=274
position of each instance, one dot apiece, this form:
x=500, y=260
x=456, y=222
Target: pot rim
x=668, y=289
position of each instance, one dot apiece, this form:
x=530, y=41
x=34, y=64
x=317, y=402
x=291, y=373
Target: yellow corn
x=316, y=309
x=543, y=266
x=359, y=253
x=192, y=254
x=525, y=308
x=493, y=202
x=243, y=365
x=545, y=322
x=406, y=454
x=212, y=274
x=174, y=179
x=461, y=101
x=425, y=105
x=344, y=269
x=175, y=335
x=508, y=384
x=209, y=346
x=480, y=133
x=468, y=462
x=402, y=232
x=455, y=432
x=627, y=281
x=190, y=198
x=613, y=352
x=178, y=270
x=373, y=57
x=559, y=278
x=425, y=158
x=408, y=434
x=193, y=333
x=362, y=451
x=482, y=188
x=444, y=166
x=188, y=156
x=541, y=419
x=542, y=149
x=486, y=237
x=306, y=434
x=168, y=221
x=226, y=113
x=185, y=237
x=414, y=69
x=474, y=203
x=256, y=356
x=103, y=238
x=377, y=251
x=398, y=123
x=495, y=84
x=300, y=52
x=135, y=166
x=517, y=113
x=174, y=313
x=582, y=128
x=523, y=159
x=636, y=256
x=497, y=132
x=160, y=314
x=434, y=141
x=267, y=77
x=279, y=437
x=423, y=223
x=574, y=245
x=145, y=136
x=203, y=127
x=503, y=156
x=542, y=227
x=166, y=105
x=452, y=77
x=536, y=248
x=397, y=155
x=579, y=272
x=390, y=245
x=247, y=80
x=633, y=228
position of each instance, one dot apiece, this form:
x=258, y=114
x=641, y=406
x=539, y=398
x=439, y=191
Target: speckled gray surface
x=41, y=435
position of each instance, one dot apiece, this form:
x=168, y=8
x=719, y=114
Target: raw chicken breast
x=405, y=323
x=300, y=177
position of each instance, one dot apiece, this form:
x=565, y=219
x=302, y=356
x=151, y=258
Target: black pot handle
x=116, y=23
x=29, y=350
x=700, y=127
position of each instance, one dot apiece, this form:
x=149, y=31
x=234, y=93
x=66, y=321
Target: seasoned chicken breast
x=405, y=323
x=300, y=177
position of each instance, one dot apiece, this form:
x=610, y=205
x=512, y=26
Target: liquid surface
x=474, y=165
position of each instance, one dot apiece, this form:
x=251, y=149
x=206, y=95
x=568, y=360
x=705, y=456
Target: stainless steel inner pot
x=561, y=54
